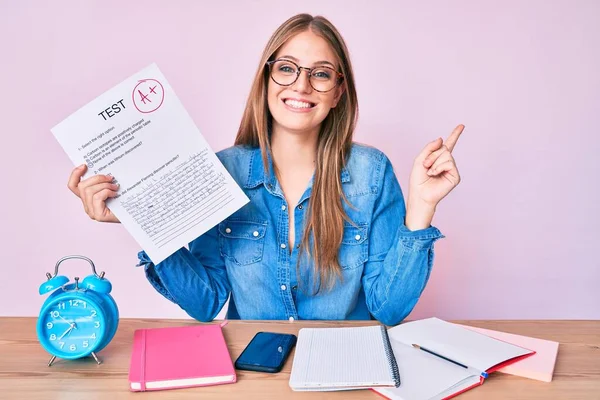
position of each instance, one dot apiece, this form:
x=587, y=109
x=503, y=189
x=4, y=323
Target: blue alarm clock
x=77, y=319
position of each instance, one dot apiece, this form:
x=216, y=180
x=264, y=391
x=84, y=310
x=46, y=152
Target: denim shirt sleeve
x=195, y=279
x=400, y=260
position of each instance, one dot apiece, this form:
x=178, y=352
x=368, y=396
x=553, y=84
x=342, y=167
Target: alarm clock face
x=71, y=327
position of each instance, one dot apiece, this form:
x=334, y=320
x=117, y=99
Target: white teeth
x=297, y=104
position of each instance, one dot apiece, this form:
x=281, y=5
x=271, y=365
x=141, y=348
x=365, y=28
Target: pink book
x=539, y=366
x=179, y=357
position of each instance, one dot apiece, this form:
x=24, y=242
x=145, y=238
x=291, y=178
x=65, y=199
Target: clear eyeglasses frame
x=322, y=78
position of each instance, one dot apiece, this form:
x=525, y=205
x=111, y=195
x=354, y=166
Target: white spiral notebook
x=343, y=359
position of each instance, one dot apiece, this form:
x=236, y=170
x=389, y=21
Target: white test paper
x=173, y=188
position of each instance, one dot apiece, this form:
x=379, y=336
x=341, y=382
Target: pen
x=416, y=346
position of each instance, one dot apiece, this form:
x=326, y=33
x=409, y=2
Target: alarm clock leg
x=51, y=361
x=96, y=358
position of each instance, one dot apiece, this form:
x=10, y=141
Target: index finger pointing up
x=453, y=138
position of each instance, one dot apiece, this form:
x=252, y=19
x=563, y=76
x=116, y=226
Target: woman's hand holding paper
x=93, y=193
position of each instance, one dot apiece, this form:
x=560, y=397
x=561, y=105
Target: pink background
x=522, y=228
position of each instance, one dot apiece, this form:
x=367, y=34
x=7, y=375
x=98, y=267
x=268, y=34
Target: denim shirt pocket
x=354, y=248
x=242, y=242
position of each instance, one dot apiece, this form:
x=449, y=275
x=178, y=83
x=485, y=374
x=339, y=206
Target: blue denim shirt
x=385, y=266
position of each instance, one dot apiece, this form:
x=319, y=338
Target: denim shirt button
x=228, y=230
x=300, y=207
x=283, y=287
x=282, y=208
x=357, y=237
x=291, y=319
x=283, y=246
x=255, y=233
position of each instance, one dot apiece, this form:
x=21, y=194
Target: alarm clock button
x=53, y=284
x=92, y=282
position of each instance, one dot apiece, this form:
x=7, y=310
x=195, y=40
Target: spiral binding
x=389, y=353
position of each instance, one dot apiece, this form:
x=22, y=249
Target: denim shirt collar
x=257, y=174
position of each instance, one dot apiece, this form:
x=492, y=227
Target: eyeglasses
x=322, y=79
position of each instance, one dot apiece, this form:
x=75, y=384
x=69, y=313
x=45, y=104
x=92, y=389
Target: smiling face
x=299, y=108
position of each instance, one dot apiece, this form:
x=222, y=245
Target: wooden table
x=24, y=373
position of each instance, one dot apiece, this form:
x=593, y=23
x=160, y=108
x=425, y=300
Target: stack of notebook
x=426, y=359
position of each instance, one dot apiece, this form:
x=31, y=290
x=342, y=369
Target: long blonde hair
x=325, y=214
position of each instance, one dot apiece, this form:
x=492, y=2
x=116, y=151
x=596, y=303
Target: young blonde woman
x=326, y=234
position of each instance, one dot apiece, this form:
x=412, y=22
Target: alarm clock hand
x=69, y=334
x=67, y=331
x=70, y=323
